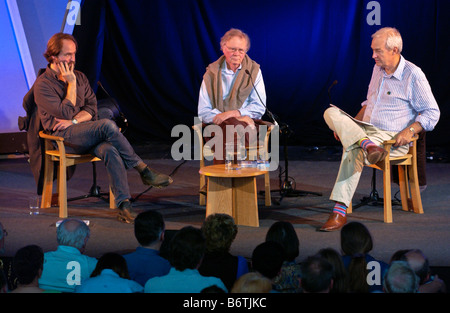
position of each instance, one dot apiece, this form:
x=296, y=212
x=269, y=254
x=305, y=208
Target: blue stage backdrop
x=151, y=55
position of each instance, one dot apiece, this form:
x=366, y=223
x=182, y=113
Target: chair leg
x=404, y=190
x=413, y=179
x=62, y=189
x=268, y=196
x=387, y=195
x=202, y=197
x=112, y=200
x=350, y=208
x=47, y=187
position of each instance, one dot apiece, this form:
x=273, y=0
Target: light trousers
x=354, y=157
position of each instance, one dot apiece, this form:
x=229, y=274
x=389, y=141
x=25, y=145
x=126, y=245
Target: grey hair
x=72, y=232
x=400, y=278
x=393, y=38
x=234, y=32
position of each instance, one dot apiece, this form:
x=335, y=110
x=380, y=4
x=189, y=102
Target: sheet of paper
x=357, y=121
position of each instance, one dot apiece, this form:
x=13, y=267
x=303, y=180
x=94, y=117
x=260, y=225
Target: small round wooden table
x=233, y=192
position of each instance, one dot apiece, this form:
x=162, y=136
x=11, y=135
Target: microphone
x=267, y=110
x=329, y=90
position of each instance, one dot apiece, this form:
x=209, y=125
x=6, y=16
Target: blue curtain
x=151, y=56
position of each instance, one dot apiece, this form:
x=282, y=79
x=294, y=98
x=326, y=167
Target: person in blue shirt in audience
x=145, y=262
x=186, y=250
x=66, y=267
x=109, y=276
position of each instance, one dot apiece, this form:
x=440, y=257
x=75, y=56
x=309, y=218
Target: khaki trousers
x=354, y=157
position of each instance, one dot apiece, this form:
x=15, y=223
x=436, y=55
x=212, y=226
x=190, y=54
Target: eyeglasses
x=241, y=51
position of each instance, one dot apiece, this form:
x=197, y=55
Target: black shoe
x=125, y=214
x=155, y=179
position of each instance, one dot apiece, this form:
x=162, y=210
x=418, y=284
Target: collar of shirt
x=398, y=74
x=68, y=249
x=228, y=71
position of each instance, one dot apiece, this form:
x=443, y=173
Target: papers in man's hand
x=354, y=119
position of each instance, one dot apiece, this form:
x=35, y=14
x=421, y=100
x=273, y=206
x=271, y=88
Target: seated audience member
x=252, y=282
x=220, y=231
x=267, y=259
x=28, y=263
x=356, y=243
x=419, y=263
x=400, y=278
x=340, y=275
x=288, y=278
x=145, y=262
x=68, y=266
x=317, y=275
x=109, y=276
x=186, y=249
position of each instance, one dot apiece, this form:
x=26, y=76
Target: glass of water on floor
x=34, y=204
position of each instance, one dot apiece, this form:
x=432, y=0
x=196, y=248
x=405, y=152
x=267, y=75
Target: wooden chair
x=65, y=160
x=207, y=152
x=408, y=180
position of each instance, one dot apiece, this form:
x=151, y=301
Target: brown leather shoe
x=335, y=222
x=375, y=154
x=153, y=178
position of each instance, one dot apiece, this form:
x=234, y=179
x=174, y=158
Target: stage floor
x=178, y=203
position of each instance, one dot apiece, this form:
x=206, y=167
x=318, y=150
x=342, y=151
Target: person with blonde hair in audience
x=252, y=282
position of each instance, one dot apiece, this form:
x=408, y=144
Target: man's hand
x=219, y=118
x=404, y=137
x=61, y=124
x=66, y=72
x=246, y=119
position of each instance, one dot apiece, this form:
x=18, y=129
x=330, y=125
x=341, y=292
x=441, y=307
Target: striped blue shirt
x=397, y=100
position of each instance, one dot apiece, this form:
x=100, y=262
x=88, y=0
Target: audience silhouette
x=198, y=260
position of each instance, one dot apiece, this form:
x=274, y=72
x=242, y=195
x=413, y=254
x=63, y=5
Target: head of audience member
x=284, y=233
x=28, y=264
x=398, y=255
x=387, y=45
x=234, y=45
x=74, y=233
x=356, y=242
x=149, y=228
x=187, y=248
x=219, y=231
x=419, y=264
x=252, y=282
x=112, y=261
x=267, y=259
x=355, y=239
x=400, y=278
x=340, y=275
x=3, y=234
x=317, y=275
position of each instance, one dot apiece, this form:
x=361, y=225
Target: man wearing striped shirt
x=399, y=105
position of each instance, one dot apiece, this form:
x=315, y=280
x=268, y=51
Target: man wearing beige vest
x=228, y=96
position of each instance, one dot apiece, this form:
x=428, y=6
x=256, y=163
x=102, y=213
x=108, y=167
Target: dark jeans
x=103, y=139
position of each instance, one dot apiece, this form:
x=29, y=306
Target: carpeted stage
x=178, y=203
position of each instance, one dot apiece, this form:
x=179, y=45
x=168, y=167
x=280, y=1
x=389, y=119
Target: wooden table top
x=219, y=170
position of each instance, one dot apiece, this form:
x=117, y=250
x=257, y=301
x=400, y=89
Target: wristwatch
x=412, y=130
x=74, y=121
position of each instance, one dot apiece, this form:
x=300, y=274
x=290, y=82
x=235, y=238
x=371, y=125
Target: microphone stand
x=287, y=187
